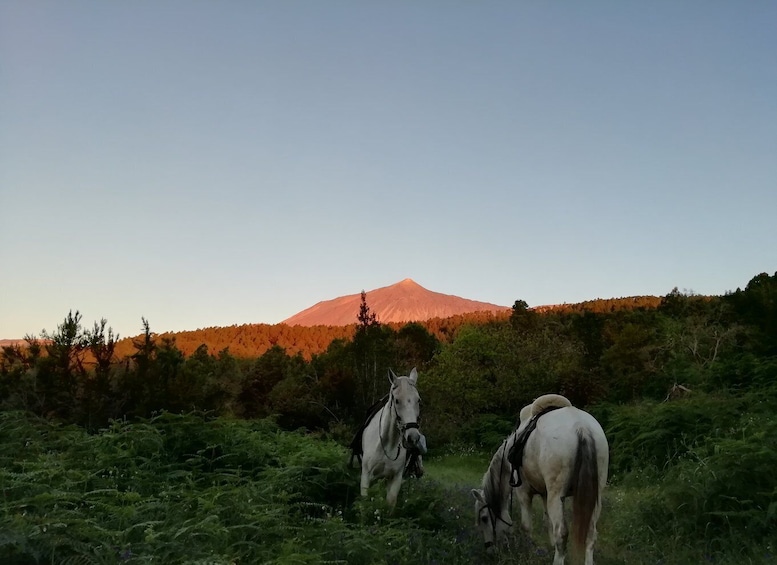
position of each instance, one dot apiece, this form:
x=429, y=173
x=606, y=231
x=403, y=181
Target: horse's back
x=552, y=448
x=561, y=422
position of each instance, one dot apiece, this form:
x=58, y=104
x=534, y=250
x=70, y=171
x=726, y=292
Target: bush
x=727, y=487
x=654, y=434
x=487, y=431
x=191, y=489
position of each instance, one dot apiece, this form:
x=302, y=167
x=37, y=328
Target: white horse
x=557, y=451
x=390, y=435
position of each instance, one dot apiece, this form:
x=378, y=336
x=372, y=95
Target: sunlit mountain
x=405, y=301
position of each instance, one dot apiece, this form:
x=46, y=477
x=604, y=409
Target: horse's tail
x=585, y=489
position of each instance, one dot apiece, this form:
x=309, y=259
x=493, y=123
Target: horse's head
x=489, y=514
x=489, y=521
x=406, y=404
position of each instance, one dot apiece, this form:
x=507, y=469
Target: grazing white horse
x=392, y=434
x=558, y=451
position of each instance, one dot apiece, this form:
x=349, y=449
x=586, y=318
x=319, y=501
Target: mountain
x=405, y=301
x=11, y=342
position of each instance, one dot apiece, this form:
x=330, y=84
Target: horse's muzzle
x=413, y=437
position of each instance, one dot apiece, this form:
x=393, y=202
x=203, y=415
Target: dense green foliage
x=190, y=489
x=93, y=451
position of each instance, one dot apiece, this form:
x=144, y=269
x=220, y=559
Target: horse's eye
x=484, y=519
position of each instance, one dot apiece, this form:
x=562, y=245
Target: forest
x=103, y=440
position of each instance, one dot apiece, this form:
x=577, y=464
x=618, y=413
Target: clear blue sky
x=204, y=163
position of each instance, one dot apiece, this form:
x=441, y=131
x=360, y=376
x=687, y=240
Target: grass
x=188, y=489
x=624, y=539
x=457, y=469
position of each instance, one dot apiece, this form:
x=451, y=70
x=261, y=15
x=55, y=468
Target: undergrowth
x=194, y=489
x=189, y=489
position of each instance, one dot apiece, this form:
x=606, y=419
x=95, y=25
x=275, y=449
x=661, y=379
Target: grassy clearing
x=458, y=468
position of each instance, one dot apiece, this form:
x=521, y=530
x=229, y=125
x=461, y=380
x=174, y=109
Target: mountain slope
x=405, y=301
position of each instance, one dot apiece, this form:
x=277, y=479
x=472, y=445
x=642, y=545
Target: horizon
x=88, y=323
x=206, y=165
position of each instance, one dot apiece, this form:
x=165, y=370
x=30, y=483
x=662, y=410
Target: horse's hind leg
x=591, y=538
x=524, y=502
x=557, y=528
x=547, y=522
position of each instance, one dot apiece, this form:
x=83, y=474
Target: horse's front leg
x=525, y=497
x=392, y=490
x=365, y=480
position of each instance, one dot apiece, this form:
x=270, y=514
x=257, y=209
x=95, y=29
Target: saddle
x=356, y=442
x=515, y=455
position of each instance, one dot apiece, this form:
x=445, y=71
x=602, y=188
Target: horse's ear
x=477, y=494
x=392, y=377
x=413, y=376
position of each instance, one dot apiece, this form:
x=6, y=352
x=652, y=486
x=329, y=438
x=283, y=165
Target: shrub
x=726, y=487
x=656, y=434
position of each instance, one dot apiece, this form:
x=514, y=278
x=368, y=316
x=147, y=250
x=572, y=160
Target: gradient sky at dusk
x=204, y=163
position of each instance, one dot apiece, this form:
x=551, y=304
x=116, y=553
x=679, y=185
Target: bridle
x=494, y=518
x=401, y=427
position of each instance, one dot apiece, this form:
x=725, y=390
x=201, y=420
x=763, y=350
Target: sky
x=200, y=164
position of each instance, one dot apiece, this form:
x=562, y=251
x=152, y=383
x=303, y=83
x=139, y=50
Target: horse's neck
x=500, y=470
x=506, y=468
x=388, y=426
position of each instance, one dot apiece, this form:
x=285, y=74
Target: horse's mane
x=492, y=480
